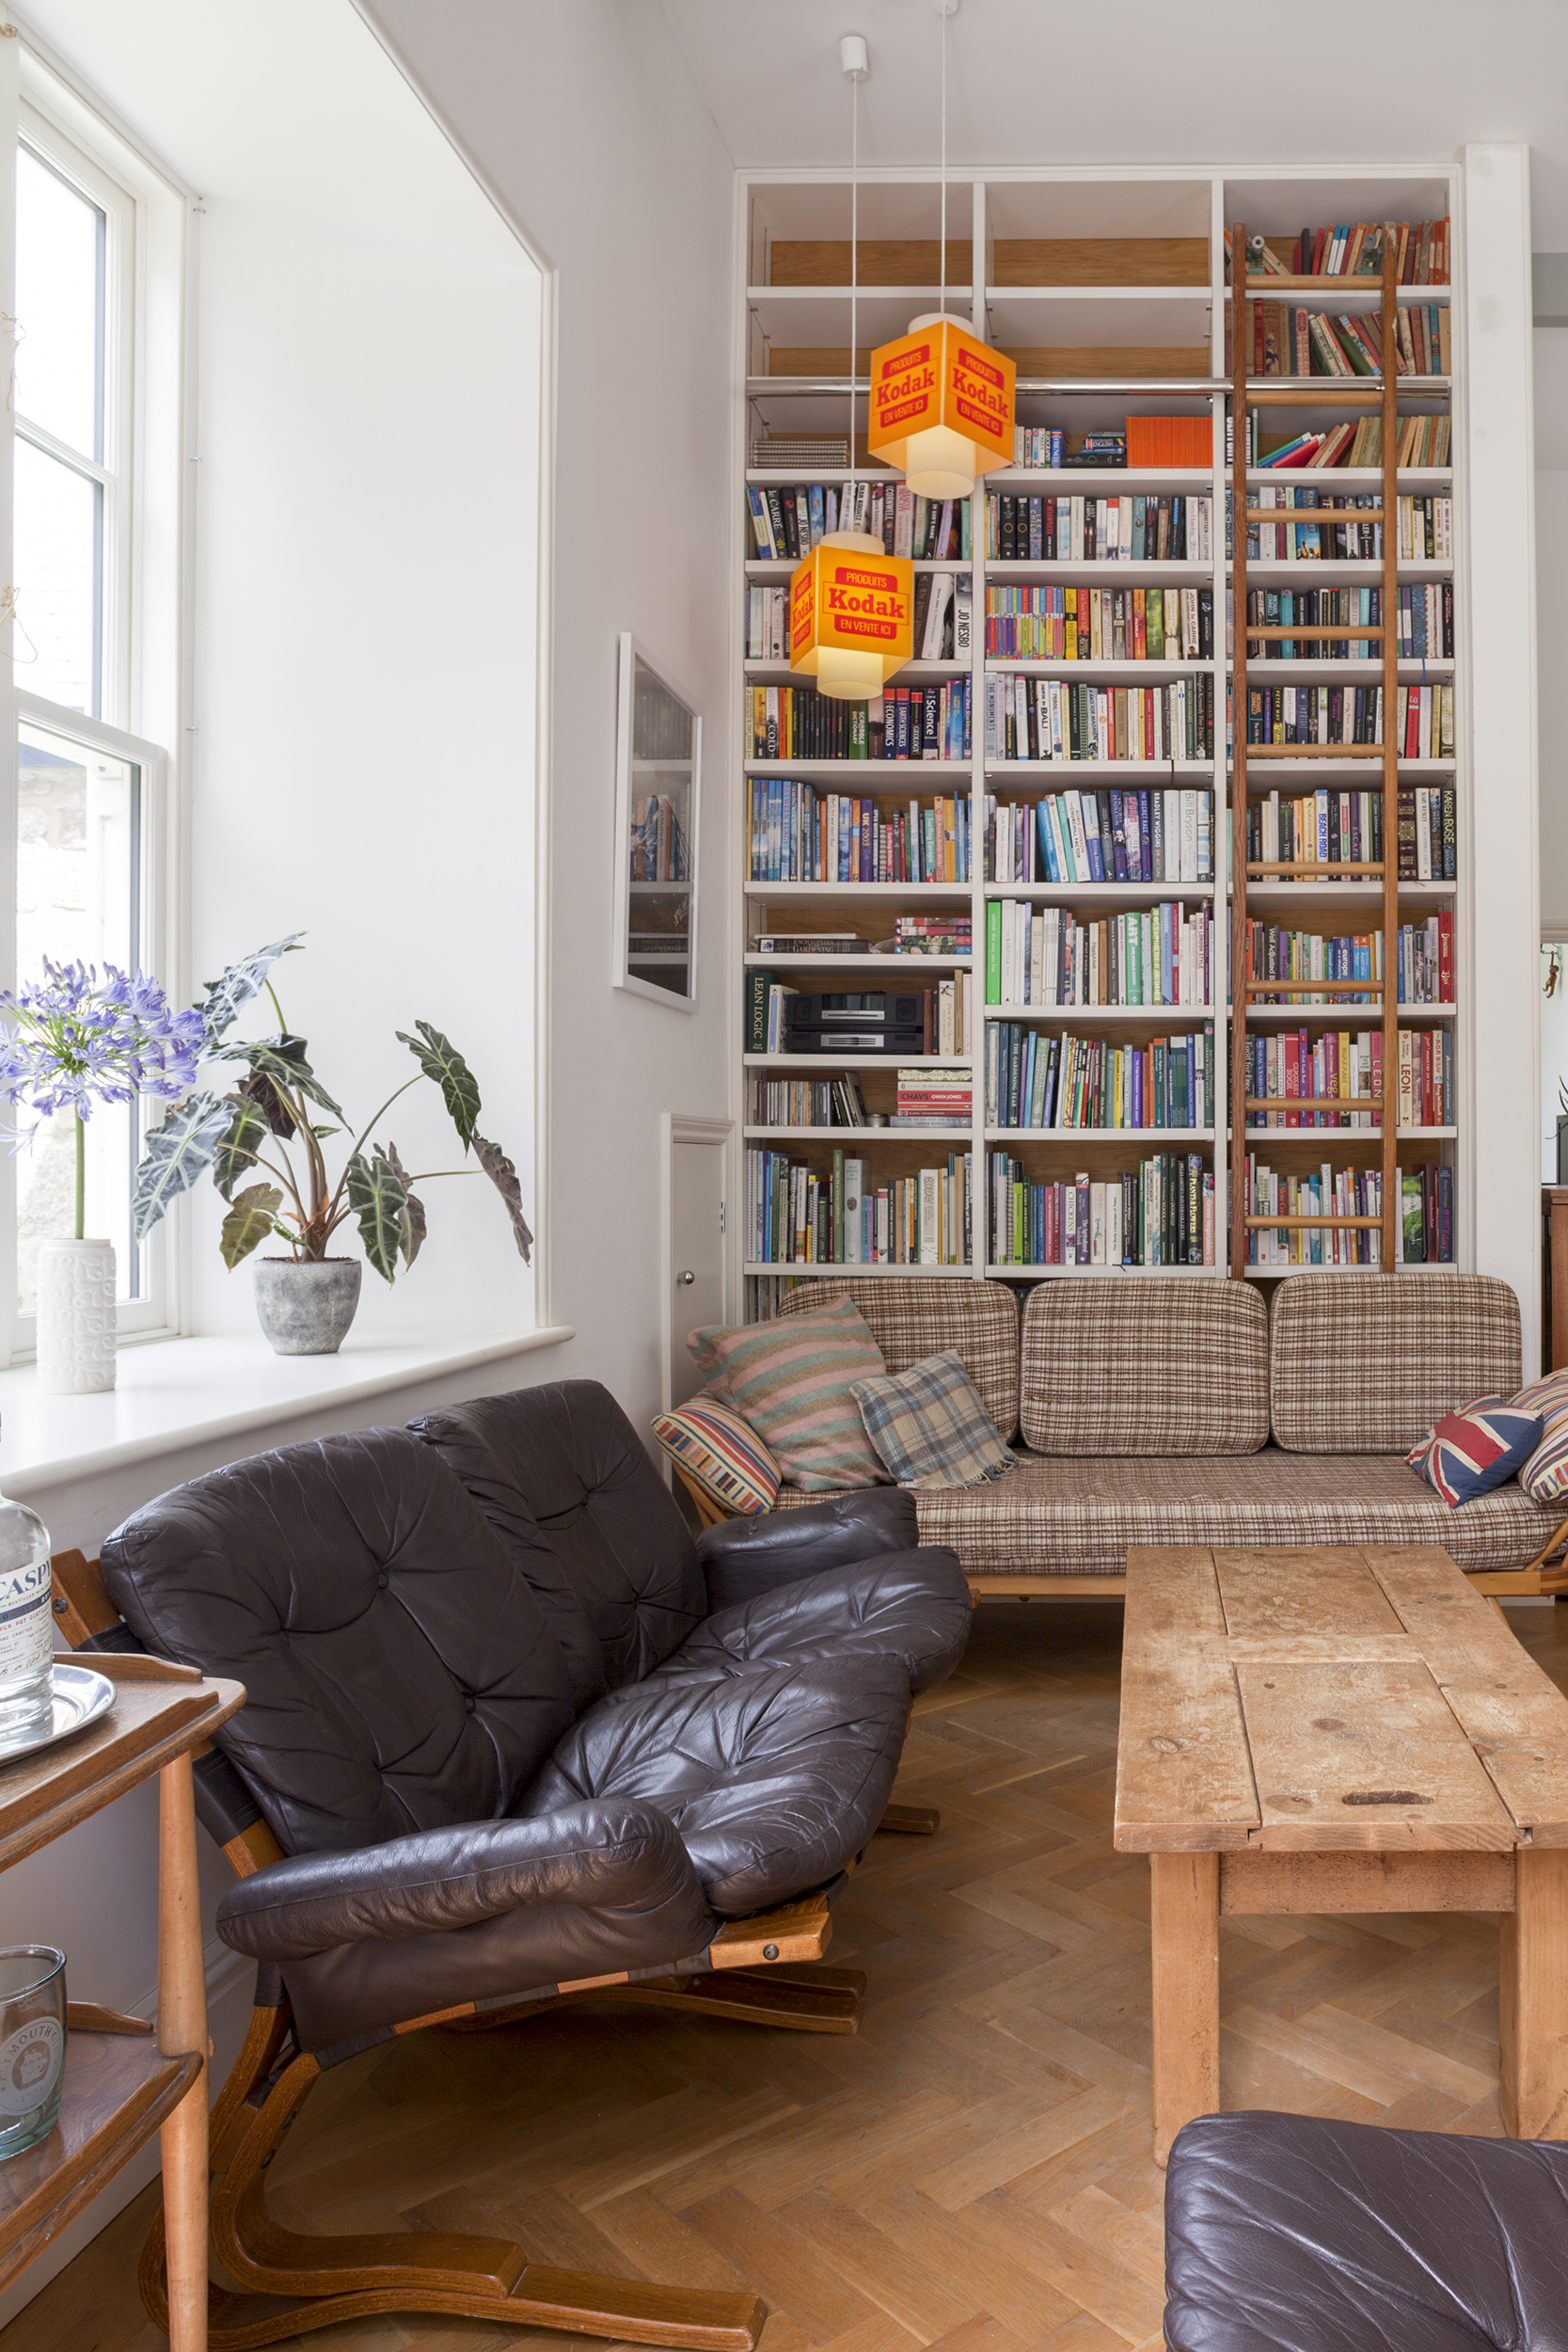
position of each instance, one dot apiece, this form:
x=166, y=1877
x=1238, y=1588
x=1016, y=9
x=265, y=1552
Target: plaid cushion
x=1545, y=1475
x=1366, y=1363
x=792, y=1381
x=930, y=1426
x=1059, y=1516
x=721, y=1454
x=1471, y=1451
x=916, y=1315
x=1144, y=1366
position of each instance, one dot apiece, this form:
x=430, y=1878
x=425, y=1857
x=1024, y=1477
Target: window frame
x=146, y=629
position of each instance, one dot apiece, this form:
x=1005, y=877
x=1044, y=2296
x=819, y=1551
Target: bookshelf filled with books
x=1157, y=721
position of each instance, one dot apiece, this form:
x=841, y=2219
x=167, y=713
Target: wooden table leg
x=1534, y=1997
x=1185, y=1917
x=182, y=2027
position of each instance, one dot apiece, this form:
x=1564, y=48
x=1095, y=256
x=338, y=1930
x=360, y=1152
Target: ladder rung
x=1312, y=751
x=1363, y=388
x=1314, y=515
x=1338, y=868
x=1312, y=1103
x=1364, y=281
x=1332, y=988
x=1298, y=1223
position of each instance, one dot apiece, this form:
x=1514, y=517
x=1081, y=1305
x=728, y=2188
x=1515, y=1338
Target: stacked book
x=935, y=1098
x=932, y=935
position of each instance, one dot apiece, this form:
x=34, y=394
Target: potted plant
x=75, y=1040
x=307, y=1299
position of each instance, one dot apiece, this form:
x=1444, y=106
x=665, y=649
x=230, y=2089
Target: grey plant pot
x=305, y=1308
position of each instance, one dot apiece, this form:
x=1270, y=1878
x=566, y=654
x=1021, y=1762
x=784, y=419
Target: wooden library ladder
x=1304, y=392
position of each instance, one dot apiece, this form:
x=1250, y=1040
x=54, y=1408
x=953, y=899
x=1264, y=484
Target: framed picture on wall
x=657, y=780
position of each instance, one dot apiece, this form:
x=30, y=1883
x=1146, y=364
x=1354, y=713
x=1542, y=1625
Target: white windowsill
x=175, y=1392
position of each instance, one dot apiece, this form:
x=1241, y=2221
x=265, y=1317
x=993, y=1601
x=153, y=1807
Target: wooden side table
x=125, y=2079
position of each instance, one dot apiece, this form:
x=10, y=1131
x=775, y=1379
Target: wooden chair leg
x=289, y=2284
x=911, y=1821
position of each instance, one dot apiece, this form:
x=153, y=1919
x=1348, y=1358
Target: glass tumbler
x=32, y=2044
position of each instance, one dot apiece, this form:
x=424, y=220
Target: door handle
x=689, y=1276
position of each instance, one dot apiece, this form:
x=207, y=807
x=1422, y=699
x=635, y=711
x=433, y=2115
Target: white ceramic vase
x=76, y=1317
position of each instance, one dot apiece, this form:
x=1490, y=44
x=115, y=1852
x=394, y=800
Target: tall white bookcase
x=1091, y=350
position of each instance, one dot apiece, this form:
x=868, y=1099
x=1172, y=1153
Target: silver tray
x=81, y=1697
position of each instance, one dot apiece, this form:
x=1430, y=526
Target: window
x=97, y=277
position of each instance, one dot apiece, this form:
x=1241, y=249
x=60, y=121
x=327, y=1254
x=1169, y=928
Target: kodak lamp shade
x=851, y=615
x=942, y=408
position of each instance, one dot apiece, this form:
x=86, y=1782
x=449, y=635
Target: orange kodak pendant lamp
x=851, y=615
x=942, y=408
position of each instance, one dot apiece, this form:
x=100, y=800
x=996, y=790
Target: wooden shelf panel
x=813, y=1270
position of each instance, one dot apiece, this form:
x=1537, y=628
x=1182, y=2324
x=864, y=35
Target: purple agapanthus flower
x=74, y=1039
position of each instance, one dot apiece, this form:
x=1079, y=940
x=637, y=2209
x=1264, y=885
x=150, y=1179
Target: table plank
x=1273, y=1884
x=1366, y=1649
x=1314, y=1590
x=1514, y=1717
x=1184, y=1772
x=1336, y=1745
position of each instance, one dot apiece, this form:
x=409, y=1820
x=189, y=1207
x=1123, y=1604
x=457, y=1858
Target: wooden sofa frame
x=760, y=1971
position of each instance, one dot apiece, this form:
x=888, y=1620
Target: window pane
x=58, y=569
x=77, y=894
x=59, y=307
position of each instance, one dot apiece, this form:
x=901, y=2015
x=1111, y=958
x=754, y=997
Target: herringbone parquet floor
x=973, y=2170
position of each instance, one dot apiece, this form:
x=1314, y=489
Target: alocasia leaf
x=250, y=1221
x=440, y=1059
x=261, y=1090
x=235, y=989
x=237, y=1152
x=378, y=1195
x=283, y=1059
x=177, y=1153
x=504, y=1177
x=413, y=1228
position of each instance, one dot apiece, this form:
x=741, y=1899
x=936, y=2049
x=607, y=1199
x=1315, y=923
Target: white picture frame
x=658, y=821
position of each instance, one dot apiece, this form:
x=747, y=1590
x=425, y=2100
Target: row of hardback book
x=1424, y=1235
x=790, y=521
x=1302, y=1072
x=842, y=1215
x=1158, y=955
x=836, y=1101
x=1423, y=717
x=801, y=834
x=659, y=850
x=1425, y=439
x=1352, y=249
x=1424, y=971
x=1136, y=528
x=895, y=1022
x=1038, y=718
x=941, y=630
x=1111, y=835
x=1423, y=528
x=1059, y=623
x=1423, y=627
x=1160, y=1214
x=1035, y=1078
x=932, y=722
x=1290, y=339
x=1340, y=828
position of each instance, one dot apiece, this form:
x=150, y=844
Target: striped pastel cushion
x=1545, y=1476
x=721, y=1454
x=793, y=1380
x=1471, y=1451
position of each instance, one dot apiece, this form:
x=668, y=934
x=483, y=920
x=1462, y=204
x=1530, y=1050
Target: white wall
x=1551, y=616
x=586, y=121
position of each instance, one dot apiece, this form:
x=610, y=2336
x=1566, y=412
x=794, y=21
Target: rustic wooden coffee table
x=1339, y=1729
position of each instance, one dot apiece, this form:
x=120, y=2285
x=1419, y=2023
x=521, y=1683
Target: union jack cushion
x=1479, y=1447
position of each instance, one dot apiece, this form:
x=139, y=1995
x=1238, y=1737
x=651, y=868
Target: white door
x=696, y=1253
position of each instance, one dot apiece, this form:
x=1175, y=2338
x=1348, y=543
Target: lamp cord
x=941, y=290
x=854, y=279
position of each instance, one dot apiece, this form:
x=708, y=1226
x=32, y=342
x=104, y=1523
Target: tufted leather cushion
x=774, y=1776
x=911, y=1605
x=564, y=1479
x=400, y=1672
x=1291, y=2234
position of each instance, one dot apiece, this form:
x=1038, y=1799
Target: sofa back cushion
x=568, y=1487
x=932, y=1316
x=1131, y=1365
x=400, y=1674
x=1366, y=1363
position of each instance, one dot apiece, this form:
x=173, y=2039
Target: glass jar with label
x=26, y=1627
x=32, y=2044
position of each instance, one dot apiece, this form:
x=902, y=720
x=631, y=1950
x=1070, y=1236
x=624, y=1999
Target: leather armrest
x=611, y=1856
x=743, y=1558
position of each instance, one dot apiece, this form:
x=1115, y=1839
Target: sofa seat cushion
x=1062, y=1517
x=775, y=1776
x=1144, y=1366
x=926, y=1314
x=1363, y=1363
x=914, y=1605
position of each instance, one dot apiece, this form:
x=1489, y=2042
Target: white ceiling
x=1142, y=80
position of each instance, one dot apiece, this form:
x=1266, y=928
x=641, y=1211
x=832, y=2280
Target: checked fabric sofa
x=511, y=1739
x=1181, y=1410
